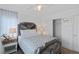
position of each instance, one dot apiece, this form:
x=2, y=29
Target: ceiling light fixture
x=39, y=7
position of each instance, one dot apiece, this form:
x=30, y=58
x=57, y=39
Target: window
x=8, y=19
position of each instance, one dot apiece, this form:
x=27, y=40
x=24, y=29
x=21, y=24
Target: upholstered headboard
x=26, y=26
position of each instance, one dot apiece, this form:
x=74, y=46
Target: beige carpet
x=63, y=51
x=67, y=51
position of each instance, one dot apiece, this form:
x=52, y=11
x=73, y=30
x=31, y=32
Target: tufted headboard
x=26, y=26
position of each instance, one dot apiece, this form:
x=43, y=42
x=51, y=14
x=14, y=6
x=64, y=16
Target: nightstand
x=10, y=46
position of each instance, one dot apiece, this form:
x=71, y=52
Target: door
x=57, y=28
x=67, y=33
x=76, y=33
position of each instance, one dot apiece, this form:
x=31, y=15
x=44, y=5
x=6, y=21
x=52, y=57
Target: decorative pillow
x=28, y=33
x=27, y=25
x=23, y=27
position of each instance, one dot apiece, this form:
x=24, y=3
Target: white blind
x=8, y=19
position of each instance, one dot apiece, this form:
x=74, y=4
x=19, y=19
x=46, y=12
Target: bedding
x=33, y=43
x=28, y=33
x=29, y=45
x=51, y=47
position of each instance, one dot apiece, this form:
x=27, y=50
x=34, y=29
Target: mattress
x=31, y=44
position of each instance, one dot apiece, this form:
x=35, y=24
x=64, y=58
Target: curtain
x=8, y=19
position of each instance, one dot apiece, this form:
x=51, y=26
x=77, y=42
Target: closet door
x=76, y=33
x=67, y=35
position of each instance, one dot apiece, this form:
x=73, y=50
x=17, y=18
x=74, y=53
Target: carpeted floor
x=64, y=51
x=67, y=51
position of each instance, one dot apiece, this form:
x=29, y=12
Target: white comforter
x=30, y=44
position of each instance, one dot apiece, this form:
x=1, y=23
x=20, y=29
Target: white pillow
x=28, y=33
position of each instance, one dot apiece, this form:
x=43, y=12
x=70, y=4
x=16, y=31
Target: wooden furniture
x=10, y=46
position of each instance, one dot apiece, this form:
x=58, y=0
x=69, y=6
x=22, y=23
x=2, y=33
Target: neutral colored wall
x=47, y=21
x=50, y=12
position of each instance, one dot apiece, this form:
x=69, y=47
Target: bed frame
x=52, y=47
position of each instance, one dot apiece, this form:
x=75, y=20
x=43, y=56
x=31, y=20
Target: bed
x=32, y=43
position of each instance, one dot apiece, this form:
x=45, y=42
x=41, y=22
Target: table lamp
x=13, y=32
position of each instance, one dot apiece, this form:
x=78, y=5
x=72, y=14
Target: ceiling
x=29, y=8
x=48, y=9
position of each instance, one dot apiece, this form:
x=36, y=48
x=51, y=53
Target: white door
x=76, y=33
x=67, y=33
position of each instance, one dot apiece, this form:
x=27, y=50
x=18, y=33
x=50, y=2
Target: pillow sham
x=28, y=33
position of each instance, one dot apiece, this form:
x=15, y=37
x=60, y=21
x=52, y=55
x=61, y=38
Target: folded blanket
x=51, y=47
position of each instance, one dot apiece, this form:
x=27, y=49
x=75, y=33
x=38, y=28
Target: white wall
x=50, y=12
x=47, y=21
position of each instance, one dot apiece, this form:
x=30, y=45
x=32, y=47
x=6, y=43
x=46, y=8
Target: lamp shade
x=13, y=30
